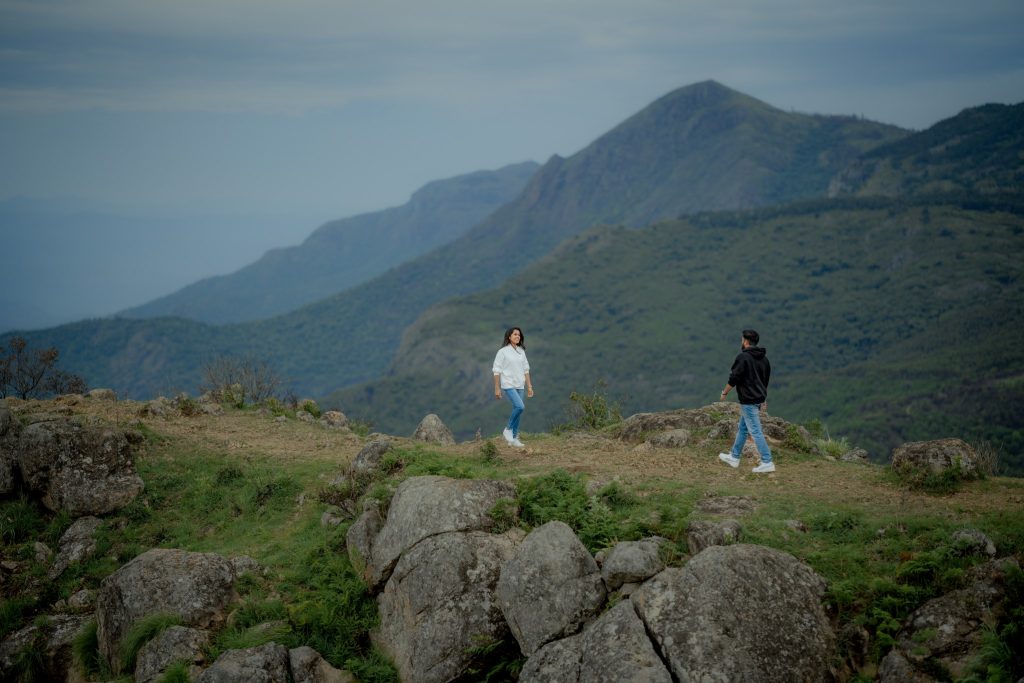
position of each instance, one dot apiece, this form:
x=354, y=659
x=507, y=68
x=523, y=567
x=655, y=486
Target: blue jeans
x=750, y=423
x=516, y=396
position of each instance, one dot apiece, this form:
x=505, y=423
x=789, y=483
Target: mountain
x=344, y=253
x=889, y=317
x=701, y=147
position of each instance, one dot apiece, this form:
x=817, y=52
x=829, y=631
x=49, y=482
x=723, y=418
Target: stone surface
x=432, y=430
x=550, y=587
x=936, y=456
x=173, y=644
x=673, y=438
x=739, y=613
x=55, y=638
x=334, y=419
x=439, y=604
x=308, y=666
x=102, y=394
x=76, y=469
x=973, y=542
x=949, y=628
x=264, y=664
x=359, y=541
x=632, y=562
x=431, y=505
x=701, y=534
x=556, y=662
x=368, y=459
x=195, y=586
x=616, y=648
x=77, y=544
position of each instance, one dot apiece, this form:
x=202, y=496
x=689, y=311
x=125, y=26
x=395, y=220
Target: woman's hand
x=497, y=394
x=529, y=392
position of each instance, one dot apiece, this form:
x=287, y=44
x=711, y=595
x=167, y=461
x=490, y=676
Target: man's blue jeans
x=750, y=424
x=516, y=396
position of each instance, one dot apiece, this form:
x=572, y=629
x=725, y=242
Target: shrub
x=488, y=451
x=85, y=651
x=835, y=448
x=591, y=411
x=311, y=407
x=20, y=519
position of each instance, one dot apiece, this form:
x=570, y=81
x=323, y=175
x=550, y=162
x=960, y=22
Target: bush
x=239, y=381
x=488, y=451
x=591, y=411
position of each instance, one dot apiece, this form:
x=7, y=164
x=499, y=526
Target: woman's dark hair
x=751, y=336
x=508, y=333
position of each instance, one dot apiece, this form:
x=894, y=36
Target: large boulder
x=701, y=534
x=439, y=604
x=673, y=438
x=82, y=470
x=264, y=664
x=949, y=629
x=427, y=506
x=739, y=613
x=77, y=544
x=432, y=430
x=197, y=587
x=174, y=644
x=556, y=662
x=636, y=427
x=936, y=457
x=550, y=587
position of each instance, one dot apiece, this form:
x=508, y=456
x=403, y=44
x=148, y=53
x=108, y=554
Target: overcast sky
x=314, y=109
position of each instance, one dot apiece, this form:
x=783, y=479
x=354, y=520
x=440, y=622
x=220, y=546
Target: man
x=749, y=375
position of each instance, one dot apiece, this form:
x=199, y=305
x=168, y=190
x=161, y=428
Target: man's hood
x=756, y=351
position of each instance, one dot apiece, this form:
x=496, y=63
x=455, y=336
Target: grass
x=883, y=549
x=142, y=632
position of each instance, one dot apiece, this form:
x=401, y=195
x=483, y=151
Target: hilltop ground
x=251, y=482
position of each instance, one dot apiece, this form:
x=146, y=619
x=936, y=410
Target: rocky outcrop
x=936, y=457
x=267, y=663
x=556, y=662
x=77, y=544
x=10, y=431
x=739, y=613
x=432, y=430
x=197, y=587
x=972, y=542
x=359, y=541
x=82, y=470
x=617, y=648
x=427, y=506
x=550, y=587
x=948, y=629
x=334, y=419
x=50, y=639
x=673, y=438
x=438, y=604
x=734, y=506
x=173, y=644
x=718, y=419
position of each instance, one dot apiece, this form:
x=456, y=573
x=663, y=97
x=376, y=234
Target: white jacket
x=511, y=365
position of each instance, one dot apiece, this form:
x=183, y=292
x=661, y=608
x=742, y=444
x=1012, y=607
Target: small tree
x=28, y=373
x=240, y=380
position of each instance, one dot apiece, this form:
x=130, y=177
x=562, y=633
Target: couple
x=749, y=375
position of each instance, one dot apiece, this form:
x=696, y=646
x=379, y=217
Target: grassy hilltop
x=250, y=483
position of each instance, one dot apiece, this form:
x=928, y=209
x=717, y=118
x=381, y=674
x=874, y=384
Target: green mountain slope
x=344, y=253
x=978, y=151
x=701, y=147
x=878, y=315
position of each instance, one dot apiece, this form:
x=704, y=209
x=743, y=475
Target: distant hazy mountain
x=701, y=147
x=344, y=253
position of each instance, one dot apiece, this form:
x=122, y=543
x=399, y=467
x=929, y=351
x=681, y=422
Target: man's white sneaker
x=764, y=467
x=517, y=443
x=507, y=433
x=729, y=460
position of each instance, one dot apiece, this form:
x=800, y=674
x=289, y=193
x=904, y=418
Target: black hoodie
x=750, y=374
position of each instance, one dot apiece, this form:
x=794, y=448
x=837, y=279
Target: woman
x=511, y=373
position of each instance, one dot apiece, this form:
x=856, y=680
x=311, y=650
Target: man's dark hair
x=751, y=336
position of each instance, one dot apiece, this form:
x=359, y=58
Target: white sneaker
x=729, y=460
x=764, y=467
x=517, y=443
x=507, y=433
